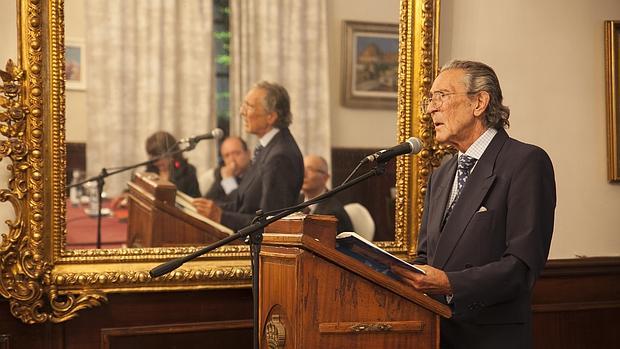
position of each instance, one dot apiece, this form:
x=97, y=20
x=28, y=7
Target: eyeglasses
x=437, y=99
x=247, y=107
x=314, y=169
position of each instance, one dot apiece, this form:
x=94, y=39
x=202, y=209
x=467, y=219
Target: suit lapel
x=248, y=178
x=439, y=200
x=474, y=192
x=255, y=168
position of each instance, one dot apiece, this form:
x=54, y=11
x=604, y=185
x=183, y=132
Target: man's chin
x=440, y=137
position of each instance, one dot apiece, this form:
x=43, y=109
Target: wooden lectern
x=156, y=220
x=313, y=296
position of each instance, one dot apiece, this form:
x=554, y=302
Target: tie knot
x=257, y=150
x=466, y=163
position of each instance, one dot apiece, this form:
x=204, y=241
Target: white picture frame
x=75, y=65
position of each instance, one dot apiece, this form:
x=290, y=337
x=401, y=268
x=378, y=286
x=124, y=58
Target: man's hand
x=229, y=170
x=434, y=282
x=208, y=208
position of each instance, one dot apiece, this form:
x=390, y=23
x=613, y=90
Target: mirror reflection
x=8, y=50
x=137, y=68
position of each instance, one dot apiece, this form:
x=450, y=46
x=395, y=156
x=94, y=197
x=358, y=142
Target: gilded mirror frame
x=45, y=282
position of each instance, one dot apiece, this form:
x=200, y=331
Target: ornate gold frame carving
x=418, y=52
x=45, y=282
x=612, y=82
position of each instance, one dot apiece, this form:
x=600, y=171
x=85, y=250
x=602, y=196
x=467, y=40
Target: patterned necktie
x=465, y=164
x=257, y=150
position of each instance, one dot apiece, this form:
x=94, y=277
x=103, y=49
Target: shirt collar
x=480, y=145
x=264, y=141
x=313, y=206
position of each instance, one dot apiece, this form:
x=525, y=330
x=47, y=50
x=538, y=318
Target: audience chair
x=363, y=224
x=205, y=180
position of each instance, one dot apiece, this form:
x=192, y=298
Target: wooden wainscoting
x=199, y=319
x=188, y=335
x=374, y=193
x=576, y=304
x=76, y=159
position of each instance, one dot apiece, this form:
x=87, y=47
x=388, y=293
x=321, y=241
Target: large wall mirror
x=46, y=281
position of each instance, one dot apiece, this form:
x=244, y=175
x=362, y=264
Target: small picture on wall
x=75, y=65
x=370, y=65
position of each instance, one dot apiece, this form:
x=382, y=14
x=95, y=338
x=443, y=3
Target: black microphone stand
x=100, y=178
x=255, y=233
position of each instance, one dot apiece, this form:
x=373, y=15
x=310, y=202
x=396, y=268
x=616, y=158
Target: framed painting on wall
x=75, y=65
x=370, y=65
x=612, y=82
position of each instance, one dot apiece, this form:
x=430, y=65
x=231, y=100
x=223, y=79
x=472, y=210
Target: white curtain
x=149, y=68
x=284, y=41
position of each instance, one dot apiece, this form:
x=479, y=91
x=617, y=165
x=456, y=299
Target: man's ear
x=482, y=102
x=272, y=118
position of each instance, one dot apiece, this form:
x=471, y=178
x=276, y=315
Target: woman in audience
x=173, y=168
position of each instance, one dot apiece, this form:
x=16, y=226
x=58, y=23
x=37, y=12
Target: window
x=221, y=38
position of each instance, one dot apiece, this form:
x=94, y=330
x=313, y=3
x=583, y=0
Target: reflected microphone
x=214, y=134
x=411, y=146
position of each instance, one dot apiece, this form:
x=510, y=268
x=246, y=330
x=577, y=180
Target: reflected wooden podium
x=155, y=219
x=313, y=296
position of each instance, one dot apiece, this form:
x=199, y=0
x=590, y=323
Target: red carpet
x=82, y=229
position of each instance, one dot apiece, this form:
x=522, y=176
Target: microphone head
x=416, y=145
x=217, y=133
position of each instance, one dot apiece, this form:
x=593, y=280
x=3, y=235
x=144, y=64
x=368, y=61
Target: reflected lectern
x=313, y=296
x=157, y=218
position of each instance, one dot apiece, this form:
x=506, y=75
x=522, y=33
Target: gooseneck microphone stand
x=100, y=178
x=255, y=233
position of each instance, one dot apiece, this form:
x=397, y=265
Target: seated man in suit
x=236, y=157
x=316, y=175
x=274, y=178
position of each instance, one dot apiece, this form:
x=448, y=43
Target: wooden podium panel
x=156, y=221
x=313, y=296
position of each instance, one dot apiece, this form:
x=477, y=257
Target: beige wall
x=8, y=32
x=549, y=56
x=8, y=49
x=374, y=128
x=77, y=116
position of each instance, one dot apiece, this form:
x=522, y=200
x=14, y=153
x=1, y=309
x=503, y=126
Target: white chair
x=205, y=180
x=363, y=224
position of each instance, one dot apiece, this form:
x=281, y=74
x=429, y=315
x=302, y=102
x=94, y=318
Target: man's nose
x=431, y=108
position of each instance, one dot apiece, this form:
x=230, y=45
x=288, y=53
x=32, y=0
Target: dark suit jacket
x=494, y=244
x=273, y=181
x=332, y=206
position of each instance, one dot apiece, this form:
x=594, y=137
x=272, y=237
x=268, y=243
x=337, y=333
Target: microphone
x=411, y=146
x=215, y=134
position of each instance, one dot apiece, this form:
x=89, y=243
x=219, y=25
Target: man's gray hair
x=277, y=100
x=480, y=77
